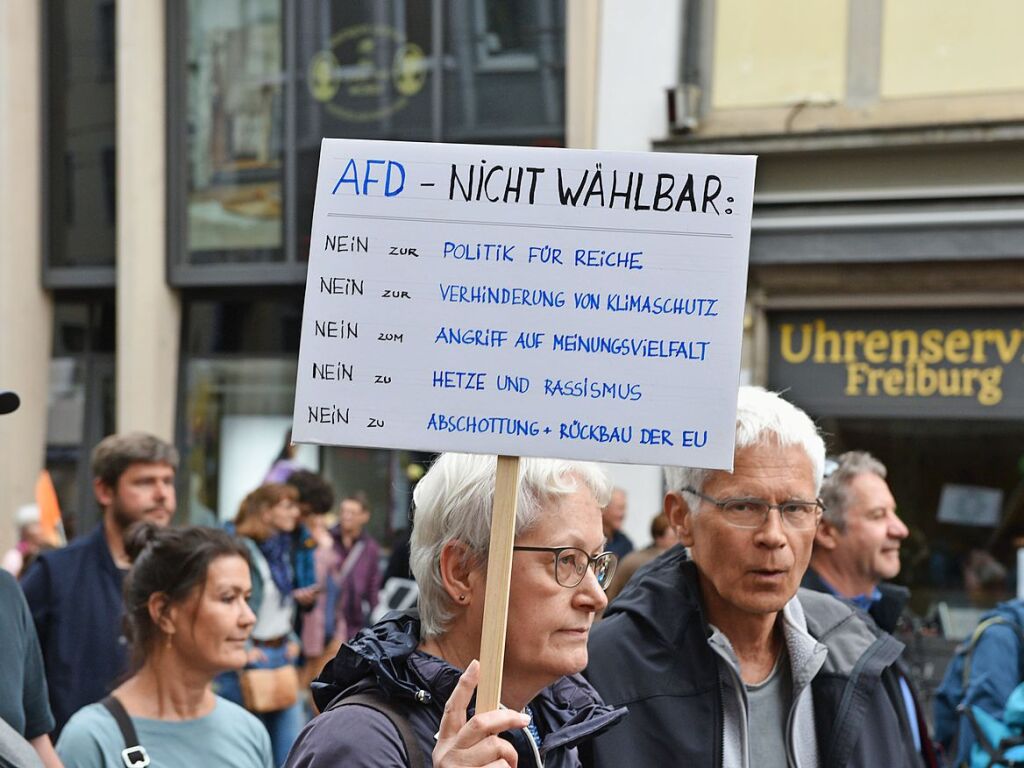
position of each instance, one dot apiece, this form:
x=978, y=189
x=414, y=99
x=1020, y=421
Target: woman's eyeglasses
x=571, y=565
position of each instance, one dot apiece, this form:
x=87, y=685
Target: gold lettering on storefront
x=901, y=362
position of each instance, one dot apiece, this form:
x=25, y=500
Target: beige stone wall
x=25, y=330
x=800, y=67
x=945, y=48
x=780, y=52
x=148, y=311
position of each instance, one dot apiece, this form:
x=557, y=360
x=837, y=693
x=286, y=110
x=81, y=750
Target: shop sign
x=928, y=364
x=369, y=72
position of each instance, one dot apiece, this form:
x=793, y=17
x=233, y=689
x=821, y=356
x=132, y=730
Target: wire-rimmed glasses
x=752, y=513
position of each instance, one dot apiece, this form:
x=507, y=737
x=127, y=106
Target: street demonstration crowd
x=142, y=643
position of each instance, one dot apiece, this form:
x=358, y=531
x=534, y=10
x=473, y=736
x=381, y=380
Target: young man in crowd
x=75, y=593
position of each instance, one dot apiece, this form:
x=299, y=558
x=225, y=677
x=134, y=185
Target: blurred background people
x=311, y=552
x=265, y=521
x=356, y=569
x=349, y=574
x=31, y=541
x=412, y=662
x=612, y=516
x=75, y=592
x=285, y=464
x=857, y=546
x=188, y=620
x=662, y=537
x=25, y=716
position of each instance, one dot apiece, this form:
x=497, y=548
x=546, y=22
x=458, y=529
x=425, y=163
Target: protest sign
x=524, y=302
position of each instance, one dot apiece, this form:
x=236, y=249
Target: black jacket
x=651, y=653
x=384, y=658
x=886, y=612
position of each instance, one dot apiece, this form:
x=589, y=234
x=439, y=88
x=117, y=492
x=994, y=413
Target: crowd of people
x=755, y=630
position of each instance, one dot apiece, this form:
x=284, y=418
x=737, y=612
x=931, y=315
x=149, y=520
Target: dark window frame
x=53, y=276
x=291, y=270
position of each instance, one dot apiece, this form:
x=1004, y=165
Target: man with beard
x=75, y=593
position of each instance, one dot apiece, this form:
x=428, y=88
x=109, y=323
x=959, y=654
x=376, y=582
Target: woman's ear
x=160, y=613
x=460, y=572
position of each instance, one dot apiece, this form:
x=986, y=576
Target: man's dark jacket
x=384, y=658
x=886, y=612
x=651, y=654
x=74, y=594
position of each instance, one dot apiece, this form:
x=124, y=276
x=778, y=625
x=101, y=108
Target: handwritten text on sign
x=525, y=301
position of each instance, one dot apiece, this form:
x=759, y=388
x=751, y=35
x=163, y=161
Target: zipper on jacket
x=721, y=718
x=533, y=746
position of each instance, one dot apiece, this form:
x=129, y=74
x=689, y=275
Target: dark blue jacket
x=74, y=594
x=385, y=658
x=995, y=672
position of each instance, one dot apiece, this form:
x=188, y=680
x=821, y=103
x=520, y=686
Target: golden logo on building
x=369, y=72
x=957, y=362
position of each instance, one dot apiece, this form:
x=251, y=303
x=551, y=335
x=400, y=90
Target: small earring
x=461, y=598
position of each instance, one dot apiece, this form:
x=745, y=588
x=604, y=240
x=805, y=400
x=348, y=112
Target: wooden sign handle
x=499, y=577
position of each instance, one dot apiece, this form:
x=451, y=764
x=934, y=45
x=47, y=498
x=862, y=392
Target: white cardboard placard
x=525, y=301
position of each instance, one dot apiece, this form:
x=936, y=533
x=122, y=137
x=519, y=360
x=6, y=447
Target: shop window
x=80, y=121
x=234, y=140
x=106, y=52
x=80, y=408
x=955, y=556
x=238, y=394
x=483, y=72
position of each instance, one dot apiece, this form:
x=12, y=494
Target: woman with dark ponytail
x=188, y=620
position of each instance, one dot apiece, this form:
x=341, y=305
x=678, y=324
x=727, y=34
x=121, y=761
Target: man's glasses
x=753, y=513
x=571, y=565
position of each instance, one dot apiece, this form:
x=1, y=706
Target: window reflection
x=80, y=118
x=235, y=103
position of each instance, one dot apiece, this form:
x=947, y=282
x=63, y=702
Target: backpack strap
x=133, y=755
x=996, y=752
x=968, y=647
x=380, y=703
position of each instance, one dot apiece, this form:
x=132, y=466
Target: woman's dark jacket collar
x=385, y=657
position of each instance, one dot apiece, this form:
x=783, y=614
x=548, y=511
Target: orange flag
x=49, y=510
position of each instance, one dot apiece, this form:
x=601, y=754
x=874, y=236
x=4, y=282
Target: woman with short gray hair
x=413, y=674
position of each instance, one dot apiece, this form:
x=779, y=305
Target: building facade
x=158, y=189
x=157, y=194
x=887, y=254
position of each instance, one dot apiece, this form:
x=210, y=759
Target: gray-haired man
x=719, y=659
x=856, y=549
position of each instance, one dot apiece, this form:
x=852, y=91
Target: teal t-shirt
x=228, y=736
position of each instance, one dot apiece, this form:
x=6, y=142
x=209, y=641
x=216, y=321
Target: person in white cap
x=30, y=541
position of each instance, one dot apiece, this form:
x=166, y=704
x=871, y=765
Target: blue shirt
x=74, y=594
